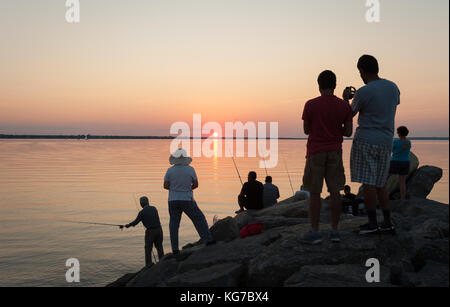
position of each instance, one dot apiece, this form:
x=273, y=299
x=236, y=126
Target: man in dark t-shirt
x=153, y=234
x=251, y=196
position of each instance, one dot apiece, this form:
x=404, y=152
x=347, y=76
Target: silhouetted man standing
x=153, y=233
x=376, y=103
x=327, y=119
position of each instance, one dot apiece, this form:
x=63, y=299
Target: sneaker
x=368, y=228
x=334, y=236
x=312, y=237
x=386, y=227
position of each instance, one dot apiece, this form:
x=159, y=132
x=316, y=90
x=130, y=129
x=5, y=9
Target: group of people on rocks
x=374, y=156
x=327, y=119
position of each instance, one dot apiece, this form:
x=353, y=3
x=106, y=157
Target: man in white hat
x=181, y=180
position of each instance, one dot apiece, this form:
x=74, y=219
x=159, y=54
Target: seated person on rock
x=350, y=200
x=251, y=196
x=271, y=193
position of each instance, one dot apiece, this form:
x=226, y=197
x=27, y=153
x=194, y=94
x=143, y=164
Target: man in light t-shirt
x=181, y=180
x=376, y=103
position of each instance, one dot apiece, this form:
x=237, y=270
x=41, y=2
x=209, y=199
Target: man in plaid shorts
x=376, y=103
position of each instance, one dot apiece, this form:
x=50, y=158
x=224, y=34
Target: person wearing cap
x=153, y=234
x=181, y=180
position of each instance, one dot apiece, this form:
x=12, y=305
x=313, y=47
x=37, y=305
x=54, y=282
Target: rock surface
x=417, y=255
x=392, y=185
x=422, y=181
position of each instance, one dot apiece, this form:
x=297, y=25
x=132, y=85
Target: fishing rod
x=265, y=167
x=91, y=223
x=287, y=171
x=235, y=166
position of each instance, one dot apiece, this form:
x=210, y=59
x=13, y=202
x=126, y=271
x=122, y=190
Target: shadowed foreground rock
x=416, y=256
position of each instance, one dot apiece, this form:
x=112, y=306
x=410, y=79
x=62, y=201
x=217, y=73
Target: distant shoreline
x=118, y=137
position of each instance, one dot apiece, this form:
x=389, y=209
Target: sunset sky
x=135, y=67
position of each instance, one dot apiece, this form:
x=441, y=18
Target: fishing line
x=237, y=170
x=287, y=171
x=92, y=223
x=265, y=167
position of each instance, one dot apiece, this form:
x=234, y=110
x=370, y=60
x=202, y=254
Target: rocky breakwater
x=417, y=255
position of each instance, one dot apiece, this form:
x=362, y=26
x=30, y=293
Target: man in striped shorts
x=376, y=103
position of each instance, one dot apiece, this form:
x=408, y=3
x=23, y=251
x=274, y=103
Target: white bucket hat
x=180, y=157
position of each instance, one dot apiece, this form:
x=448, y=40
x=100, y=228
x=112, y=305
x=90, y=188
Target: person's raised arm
x=356, y=104
x=347, y=129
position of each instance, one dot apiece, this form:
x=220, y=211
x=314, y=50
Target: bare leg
x=370, y=197
x=336, y=209
x=315, y=204
x=383, y=197
x=402, y=183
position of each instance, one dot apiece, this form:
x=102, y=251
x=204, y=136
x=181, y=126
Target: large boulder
x=236, y=251
x=299, y=209
x=422, y=181
x=287, y=256
x=225, y=230
x=244, y=218
x=392, y=185
x=122, y=281
x=156, y=275
x=433, y=274
x=299, y=196
x=220, y=275
x=342, y=275
x=269, y=222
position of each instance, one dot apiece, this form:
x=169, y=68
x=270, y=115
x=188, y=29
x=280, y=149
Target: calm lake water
x=44, y=183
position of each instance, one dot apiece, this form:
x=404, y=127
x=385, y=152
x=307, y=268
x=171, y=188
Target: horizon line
x=89, y=136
